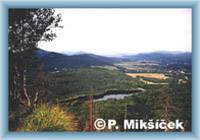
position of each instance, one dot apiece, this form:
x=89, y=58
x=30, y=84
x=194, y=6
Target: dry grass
x=149, y=75
x=49, y=118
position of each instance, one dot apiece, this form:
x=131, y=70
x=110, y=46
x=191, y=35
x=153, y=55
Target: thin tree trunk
x=36, y=98
x=25, y=90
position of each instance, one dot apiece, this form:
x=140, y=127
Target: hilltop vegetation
x=70, y=82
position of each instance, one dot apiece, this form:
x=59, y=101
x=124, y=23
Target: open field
x=137, y=63
x=139, y=66
x=148, y=75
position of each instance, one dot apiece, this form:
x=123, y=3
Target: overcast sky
x=122, y=31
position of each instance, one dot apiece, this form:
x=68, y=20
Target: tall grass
x=49, y=118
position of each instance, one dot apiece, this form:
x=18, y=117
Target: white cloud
x=122, y=31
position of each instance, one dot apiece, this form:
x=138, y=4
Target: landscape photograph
x=71, y=67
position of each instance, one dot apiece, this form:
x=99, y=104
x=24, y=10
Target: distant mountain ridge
x=53, y=60
x=163, y=57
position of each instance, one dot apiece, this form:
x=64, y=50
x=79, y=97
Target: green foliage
x=28, y=26
x=49, y=118
x=83, y=81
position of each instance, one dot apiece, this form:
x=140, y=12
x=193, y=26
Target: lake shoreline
x=101, y=95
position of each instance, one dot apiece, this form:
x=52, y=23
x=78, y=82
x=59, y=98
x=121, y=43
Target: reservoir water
x=113, y=96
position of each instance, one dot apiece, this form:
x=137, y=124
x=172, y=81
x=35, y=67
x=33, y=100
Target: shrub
x=49, y=118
